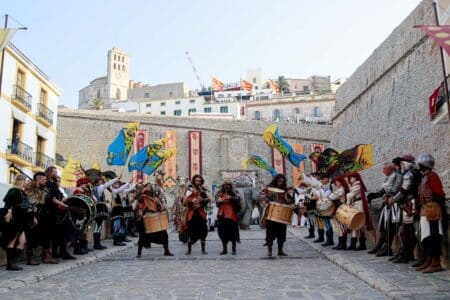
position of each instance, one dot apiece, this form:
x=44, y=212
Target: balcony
x=21, y=98
x=42, y=162
x=44, y=115
x=19, y=153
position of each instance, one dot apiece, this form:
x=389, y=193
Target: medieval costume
x=149, y=203
x=325, y=211
x=339, y=191
x=196, y=201
x=118, y=226
x=433, y=216
x=229, y=204
x=357, y=198
x=311, y=186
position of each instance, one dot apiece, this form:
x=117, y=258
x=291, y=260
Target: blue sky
x=69, y=40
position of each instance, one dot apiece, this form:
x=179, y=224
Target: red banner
x=139, y=142
x=439, y=34
x=433, y=102
x=278, y=162
x=316, y=148
x=297, y=172
x=195, y=153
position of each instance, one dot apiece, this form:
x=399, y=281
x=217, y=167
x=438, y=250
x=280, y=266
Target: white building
x=28, y=106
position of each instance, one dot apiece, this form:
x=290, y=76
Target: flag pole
x=3, y=58
x=443, y=63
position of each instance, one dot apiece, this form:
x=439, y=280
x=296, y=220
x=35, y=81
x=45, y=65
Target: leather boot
x=189, y=249
x=233, y=248
x=85, y=246
x=203, y=244
x=384, y=252
x=425, y=264
x=47, y=257
x=311, y=233
x=329, y=241
x=320, y=238
x=435, y=266
x=224, y=246
x=340, y=244
x=166, y=250
x=419, y=262
x=10, y=260
x=269, y=250
x=396, y=256
x=64, y=253
x=362, y=244
x=352, y=244
x=118, y=242
x=139, y=253
x=97, y=244
x=379, y=244
x=30, y=257
x=280, y=250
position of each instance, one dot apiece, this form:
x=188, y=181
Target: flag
x=246, y=86
x=316, y=151
x=157, y=160
x=259, y=162
x=273, y=139
x=217, y=85
x=274, y=86
x=433, y=101
x=142, y=157
x=440, y=34
x=71, y=173
x=96, y=166
x=334, y=163
x=119, y=149
x=6, y=35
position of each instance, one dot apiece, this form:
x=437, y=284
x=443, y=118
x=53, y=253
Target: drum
x=156, y=222
x=350, y=216
x=102, y=211
x=280, y=213
x=86, y=204
x=325, y=208
x=128, y=212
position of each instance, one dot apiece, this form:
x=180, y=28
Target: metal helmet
x=426, y=160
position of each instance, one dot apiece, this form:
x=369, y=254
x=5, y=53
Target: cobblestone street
x=249, y=275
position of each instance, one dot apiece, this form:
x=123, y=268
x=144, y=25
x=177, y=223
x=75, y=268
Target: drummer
x=83, y=188
x=276, y=191
x=148, y=203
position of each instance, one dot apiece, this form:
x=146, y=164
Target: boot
x=97, y=244
x=47, y=257
x=224, y=251
x=403, y=259
x=329, y=241
x=379, y=244
x=269, y=250
x=166, y=250
x=233, y=248
x=419, y=262
x=55, y=253
x=203, y=244
x=189, y=250
x=385, y=251
x=10, y=260
x=320, y=238
x=311, y=233
x=280, y=250
x=396, y=256
x=139, y=253
x=341, y=244
x=352, y=244
x=85, y=246
x=362, y=244
x=64, y=253
x=425, y=264
x=118, y=242
x=435, y=266
x=30, y=257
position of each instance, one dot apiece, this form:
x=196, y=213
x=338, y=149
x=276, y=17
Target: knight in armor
x=102, y=210
x=149, y=203
x=117, y=214
x=339, y=191
x=357, y=198
x=386, y=226
x=276, y=230
x=196, y=201
x=433, y=216
x=406, y=199
x=229, y=204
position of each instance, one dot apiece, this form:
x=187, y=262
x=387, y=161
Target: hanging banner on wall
x=278, y=161
x=139, y=142
x=195, y=153
x=316, y=149
x=297, y=172
x=170, y=165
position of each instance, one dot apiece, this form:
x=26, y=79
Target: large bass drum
x=280, y=213
x=350, y=217
x=86, y=206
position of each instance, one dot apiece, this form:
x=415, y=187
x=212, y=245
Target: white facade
x=138, y=91
x=28, y=108
x=125, y=106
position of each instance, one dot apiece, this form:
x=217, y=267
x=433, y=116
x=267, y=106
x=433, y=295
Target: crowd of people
x=38, y=213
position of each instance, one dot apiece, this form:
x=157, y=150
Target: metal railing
x=43, y=161
x=45, y=113
x=20, y=149
x=21, y=95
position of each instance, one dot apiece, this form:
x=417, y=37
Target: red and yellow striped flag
x=246, y=86
x=217, y=85
x=274, y=86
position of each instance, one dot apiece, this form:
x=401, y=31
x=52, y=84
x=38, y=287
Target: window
x=170, y=94
x=115, y=57
x=118, y=94
x=98, y=94
x=146, y=95
x=20, y=80
x=118, y=57
x=316, y=112
x=163, y=113
x=114, y=66
x=207, y=109
x=40, y=145
x=224, y=109
x=257, y=115
x=162, y=104
x=191, y=110
x=43, y=97
x=123, y=59
x=123, y=68
x=305, y=88
x=297, y=111
x=254, y=80
x=148, y=105
x=276, y=115
x=177, y=112
x=192, y=101
x=177, y=102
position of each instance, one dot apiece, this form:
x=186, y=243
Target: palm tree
x=283, y=84
x=97, y=104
